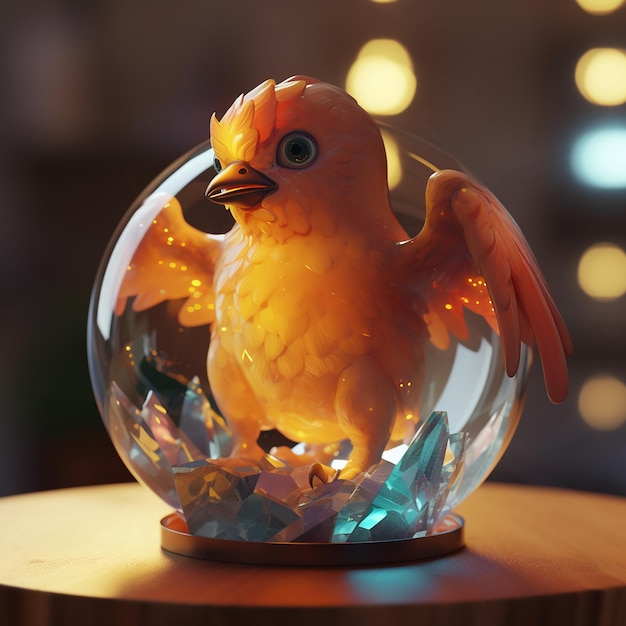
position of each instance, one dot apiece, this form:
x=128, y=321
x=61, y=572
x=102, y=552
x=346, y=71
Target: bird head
x=299, y=155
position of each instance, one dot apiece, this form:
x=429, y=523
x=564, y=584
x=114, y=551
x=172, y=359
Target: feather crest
x=251, y=119
x=234, y=138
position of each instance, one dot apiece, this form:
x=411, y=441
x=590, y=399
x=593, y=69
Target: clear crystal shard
x=270, y=501
x=176, y=446
x=204, y=426
x=154, y=443
x=242, y=503
x=132, y=435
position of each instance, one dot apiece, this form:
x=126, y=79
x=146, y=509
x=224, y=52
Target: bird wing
x=472, y=255
x=172, y=261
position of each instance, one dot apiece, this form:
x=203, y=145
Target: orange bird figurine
x=320, y=305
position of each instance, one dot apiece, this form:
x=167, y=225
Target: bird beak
x=240, y=185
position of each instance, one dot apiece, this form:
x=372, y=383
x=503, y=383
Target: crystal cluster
x=271, y=501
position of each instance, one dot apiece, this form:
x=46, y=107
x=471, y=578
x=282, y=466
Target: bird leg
x=238, y=404
x=365, y=403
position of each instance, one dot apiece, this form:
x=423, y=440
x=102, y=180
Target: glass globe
x=149, y=377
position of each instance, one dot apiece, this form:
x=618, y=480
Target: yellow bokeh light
x=602, y=271
x=601, y=76
x=602, y=402
x=382, y=78
x=600, y=7
x=394, y=165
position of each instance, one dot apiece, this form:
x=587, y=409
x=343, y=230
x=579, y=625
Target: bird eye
x=217, y=166
x=296, y=150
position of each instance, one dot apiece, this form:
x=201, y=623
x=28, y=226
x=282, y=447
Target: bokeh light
x=382, y=77
x=602, y=271
x=600, y=7
x=601, y=76
x=598, y=157
x=602, y=402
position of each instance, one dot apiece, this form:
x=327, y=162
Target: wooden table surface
x=533, y=556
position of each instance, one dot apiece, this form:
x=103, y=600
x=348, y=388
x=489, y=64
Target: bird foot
x=320, y=474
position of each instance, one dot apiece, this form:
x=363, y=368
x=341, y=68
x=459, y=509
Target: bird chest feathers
x=304, y=309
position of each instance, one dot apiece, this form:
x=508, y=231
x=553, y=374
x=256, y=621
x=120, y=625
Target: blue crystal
x=413, y=494
x=359, y=500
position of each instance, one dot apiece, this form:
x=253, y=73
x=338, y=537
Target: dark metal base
x=446, y=538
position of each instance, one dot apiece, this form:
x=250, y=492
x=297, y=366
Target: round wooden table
x=533, y=556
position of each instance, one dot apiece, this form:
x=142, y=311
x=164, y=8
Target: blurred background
x=99, y=97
